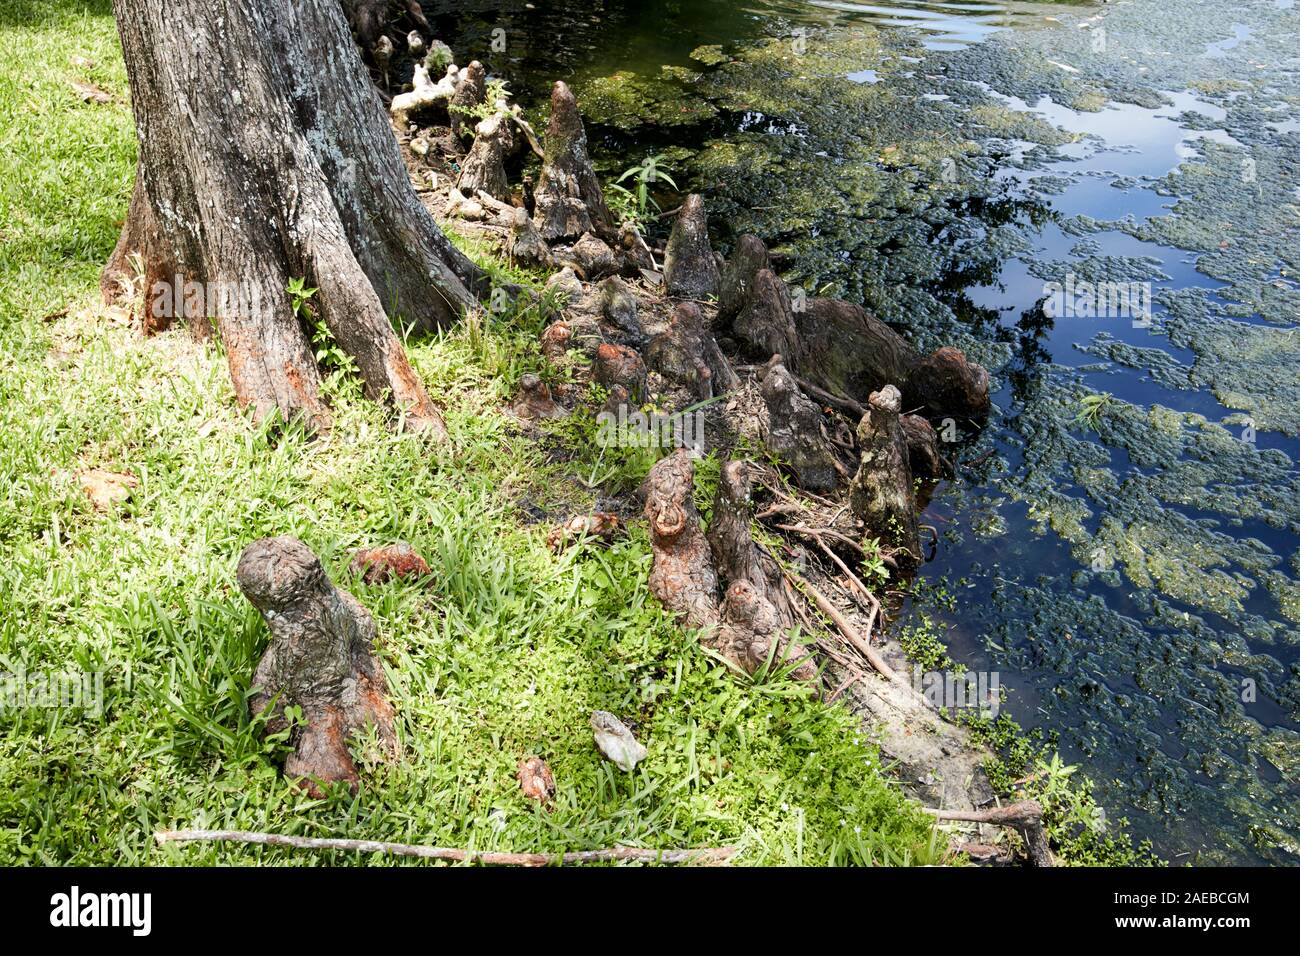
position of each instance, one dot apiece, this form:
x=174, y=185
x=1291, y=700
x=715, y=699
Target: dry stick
x=816, y=533
x=856, y=583
x=848, y=630
x=830, y=398
x=835, y=694
x=611, y=854
x=1026, y=817
x=529, y=134
x=779, y=508
x=850, y=665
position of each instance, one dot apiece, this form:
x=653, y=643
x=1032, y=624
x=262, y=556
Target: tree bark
x=881, y=493
x=320, y=659
x=265, y=155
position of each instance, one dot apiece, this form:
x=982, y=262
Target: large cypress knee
x=881, y=493
x=320, y=659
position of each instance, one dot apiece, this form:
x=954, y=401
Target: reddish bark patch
x=400, y=560
x=536, y=781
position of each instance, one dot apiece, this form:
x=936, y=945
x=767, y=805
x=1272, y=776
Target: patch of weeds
x=1026, y=766
x=1091, y=410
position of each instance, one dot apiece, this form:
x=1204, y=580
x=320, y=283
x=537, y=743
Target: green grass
x=504, y=656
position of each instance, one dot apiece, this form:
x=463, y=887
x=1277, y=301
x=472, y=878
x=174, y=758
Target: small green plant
x=873, y=566
x=636, y=204
x=496, y=91
x=924, y=646
x=1028, y=767
x=299, y=296
x=339, y=371
x=1092, y=408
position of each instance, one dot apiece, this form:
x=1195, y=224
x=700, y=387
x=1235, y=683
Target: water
x=1133, y=583
x=573, y=40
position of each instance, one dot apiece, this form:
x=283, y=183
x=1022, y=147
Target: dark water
x=1133, y=584
x=548, y=41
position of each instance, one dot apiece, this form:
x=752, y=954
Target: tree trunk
x=265, y=155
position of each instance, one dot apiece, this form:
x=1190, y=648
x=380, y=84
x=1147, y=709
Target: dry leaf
x=400, y=560
x=535, y=780
x=106, y=489
x=90, y=93
x=601, y=527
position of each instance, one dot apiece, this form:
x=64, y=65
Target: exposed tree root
x=370, y=19
x=569, y=200
x=320, y=660
x=1025, y=817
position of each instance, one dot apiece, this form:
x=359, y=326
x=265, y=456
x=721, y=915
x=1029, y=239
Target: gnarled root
x=748, y=259
x=923, y=448
x=484, y=168
x=750, y=626
x=568, y=200
x=525, y=245
x=837, y=347
x=795, y=432
x=682, y=576
x=945, y=382
x=320, y=659
x=765, y=326
x=620, y=365
x=470, y=93
x=370, y=18
x=881, y=494
x=686, y=352
x=757, y=609
x=690, y=271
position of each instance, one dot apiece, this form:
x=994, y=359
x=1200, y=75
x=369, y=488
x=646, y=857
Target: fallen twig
x=607, y=855
x=816, y=533
x=850, y=633
x=856, y=583
x=847, y=405
x=845, y=685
